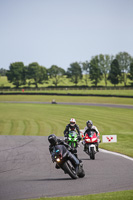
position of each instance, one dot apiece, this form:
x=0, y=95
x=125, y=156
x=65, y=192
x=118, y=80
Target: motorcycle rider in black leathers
x=72, y=126
x=54, y=141
x=90, y=127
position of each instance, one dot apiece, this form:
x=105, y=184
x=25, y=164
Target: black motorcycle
x=59, y=155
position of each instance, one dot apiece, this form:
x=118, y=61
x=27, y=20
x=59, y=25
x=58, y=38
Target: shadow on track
x=50, y=179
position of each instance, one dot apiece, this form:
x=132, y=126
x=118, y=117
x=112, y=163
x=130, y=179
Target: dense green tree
x=85, y=69
x=124, y=60
x=74, y=72
x=131, y=72
x=3, y=72
x=95, y=71
x=16, y=74
x=56, y=73
x=104, y=64
x=115, y=72
x=37, y=73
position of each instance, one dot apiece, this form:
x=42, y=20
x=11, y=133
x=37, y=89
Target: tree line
x=116, y=69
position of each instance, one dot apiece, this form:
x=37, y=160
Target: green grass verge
x=49, y=98
x=36, y=119
x=123, y=195
x=127, y=92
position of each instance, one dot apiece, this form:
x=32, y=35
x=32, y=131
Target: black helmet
x=89, y=123
x=52, y=139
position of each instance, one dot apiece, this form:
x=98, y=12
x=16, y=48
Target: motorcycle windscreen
x=60, y=149
x=91, y=133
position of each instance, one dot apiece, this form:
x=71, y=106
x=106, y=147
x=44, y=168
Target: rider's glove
x=65, y=139
x=79, y=138
x=69, y=148
x=99, y=141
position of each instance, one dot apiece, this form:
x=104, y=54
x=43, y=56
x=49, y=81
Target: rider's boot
x=97, y=147
x=77, y=169
x=57, y=166
x=84, y=147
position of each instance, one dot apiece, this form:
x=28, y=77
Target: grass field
x=49, y=98
x=102, y=91
x=123, y=195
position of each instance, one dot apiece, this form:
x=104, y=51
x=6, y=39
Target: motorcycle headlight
x=58, y=159
x=88, y=140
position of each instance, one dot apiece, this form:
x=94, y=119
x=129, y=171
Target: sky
x=61, y=32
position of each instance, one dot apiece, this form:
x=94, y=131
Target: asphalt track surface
x=71, y=103
x=26, y=171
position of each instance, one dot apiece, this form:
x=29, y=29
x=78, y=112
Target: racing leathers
x=72, y=128
x=69, y=155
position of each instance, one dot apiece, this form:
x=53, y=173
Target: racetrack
x=26, y=171
x=74, y=103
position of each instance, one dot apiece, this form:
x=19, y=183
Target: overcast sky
x=60, y=32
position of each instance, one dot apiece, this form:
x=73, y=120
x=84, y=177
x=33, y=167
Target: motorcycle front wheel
x=69, y=169
x=92, y=153
x=81, y=172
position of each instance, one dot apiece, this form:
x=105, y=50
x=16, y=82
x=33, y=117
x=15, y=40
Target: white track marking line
x=116, y=154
